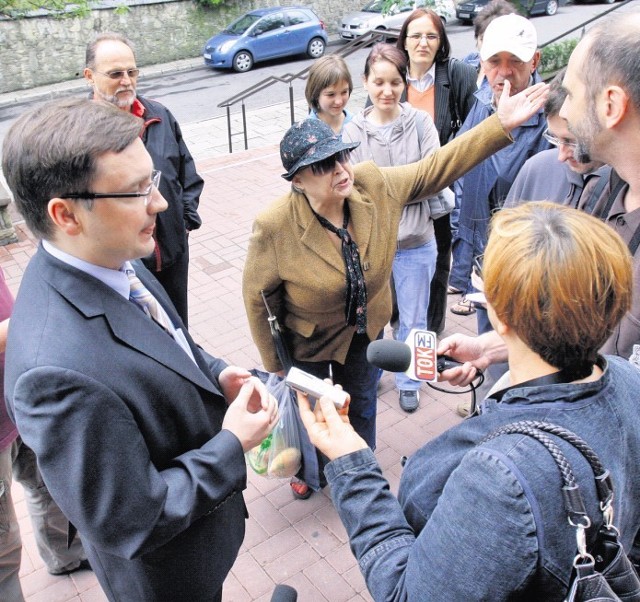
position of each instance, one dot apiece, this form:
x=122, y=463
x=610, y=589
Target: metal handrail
x=370, y=37
x=378, y=35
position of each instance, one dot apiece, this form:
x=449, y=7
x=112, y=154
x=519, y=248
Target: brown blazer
x=291, y=258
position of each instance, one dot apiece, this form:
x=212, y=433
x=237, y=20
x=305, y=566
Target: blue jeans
x=413, y=270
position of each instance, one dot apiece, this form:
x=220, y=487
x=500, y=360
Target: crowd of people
x=105, y=387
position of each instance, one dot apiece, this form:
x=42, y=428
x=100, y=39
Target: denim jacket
x=487, y=522
x=484, y=188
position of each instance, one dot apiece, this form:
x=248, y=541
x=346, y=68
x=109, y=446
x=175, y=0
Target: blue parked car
x=264, y=34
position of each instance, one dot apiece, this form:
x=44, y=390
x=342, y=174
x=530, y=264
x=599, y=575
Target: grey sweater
x=407, y=142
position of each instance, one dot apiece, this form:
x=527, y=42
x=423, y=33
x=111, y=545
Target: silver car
x=371, y=16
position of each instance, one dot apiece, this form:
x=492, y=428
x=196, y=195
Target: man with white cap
x=509, y=52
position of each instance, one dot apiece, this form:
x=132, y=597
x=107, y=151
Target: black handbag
x=603, y=572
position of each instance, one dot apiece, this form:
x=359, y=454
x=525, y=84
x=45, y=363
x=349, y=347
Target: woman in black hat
x=322, y=254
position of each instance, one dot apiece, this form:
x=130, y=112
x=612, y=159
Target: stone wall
x=40, y=50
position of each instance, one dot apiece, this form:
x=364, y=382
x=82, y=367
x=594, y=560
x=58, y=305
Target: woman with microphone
x=486, y=521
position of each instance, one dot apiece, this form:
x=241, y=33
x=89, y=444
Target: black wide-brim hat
x=307, y=142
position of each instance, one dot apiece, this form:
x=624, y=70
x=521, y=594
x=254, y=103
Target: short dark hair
x=495, y=8
x=391, y=54
x=613, y=56
x=326, y=71
x=90, y=53
x=444, y=50
x=557, y=95
x=52, y=150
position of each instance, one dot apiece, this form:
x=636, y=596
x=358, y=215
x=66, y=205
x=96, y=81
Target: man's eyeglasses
x=476, y=273
x=328, y=165
x=145, y=194
x=551, y=139
x=416, y=38
x=132, y=73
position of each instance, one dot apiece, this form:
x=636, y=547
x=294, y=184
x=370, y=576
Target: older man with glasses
x=112, y=72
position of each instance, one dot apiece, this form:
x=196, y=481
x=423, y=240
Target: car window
x=269, y=23
x=242, y=24
x=297, y=16
x=375, y=6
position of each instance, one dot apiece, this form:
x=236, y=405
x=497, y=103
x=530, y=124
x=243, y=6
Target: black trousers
x=437, y=312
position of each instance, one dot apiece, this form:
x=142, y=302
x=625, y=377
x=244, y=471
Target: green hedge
x=555, y=57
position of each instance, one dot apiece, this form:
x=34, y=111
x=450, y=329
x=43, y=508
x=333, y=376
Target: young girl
x=394, y=133
x=328, y=90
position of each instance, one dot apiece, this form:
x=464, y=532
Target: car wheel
x=316, y=47
x=243, y=61
x=552, y=8
x=609, y=1
x=444, y=21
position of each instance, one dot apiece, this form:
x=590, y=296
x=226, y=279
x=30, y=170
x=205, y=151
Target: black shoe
x=409, y=401
x=83, y=566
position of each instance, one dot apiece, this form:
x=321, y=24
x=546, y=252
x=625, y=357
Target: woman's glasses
x=416, y=38
x=327, y=165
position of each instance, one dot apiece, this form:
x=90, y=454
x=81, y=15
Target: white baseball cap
x=510, y=33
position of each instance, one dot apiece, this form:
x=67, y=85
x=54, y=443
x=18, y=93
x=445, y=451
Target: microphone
x=390, y=355
x=416, y=358
x=284, y=593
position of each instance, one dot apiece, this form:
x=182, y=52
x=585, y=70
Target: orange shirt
x=425, y=101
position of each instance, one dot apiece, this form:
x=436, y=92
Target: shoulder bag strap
x=605, y=574
x=456, y=121
x=596, y=193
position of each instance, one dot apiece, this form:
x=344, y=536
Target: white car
x=371, y=17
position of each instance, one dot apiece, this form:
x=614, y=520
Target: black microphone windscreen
x=390, y=355
x=284, y=593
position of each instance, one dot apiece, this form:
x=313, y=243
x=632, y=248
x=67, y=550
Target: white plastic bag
x=279, y=455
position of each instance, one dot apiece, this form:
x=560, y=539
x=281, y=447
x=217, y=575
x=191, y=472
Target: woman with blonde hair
x=486, y=520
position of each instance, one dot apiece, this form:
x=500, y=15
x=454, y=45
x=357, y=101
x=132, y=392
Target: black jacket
x=180, y=184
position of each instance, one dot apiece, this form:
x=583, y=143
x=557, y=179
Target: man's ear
x=616, y=105
x=88, y=75
x=64, y=215
x=536, y=61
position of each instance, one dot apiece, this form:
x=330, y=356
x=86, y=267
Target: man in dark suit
x=139, y=434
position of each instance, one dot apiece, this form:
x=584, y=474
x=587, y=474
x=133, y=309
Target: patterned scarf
x=355, y=310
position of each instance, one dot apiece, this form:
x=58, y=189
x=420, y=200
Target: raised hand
x=515, y=110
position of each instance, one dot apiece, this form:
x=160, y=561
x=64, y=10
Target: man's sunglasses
x=132, y=73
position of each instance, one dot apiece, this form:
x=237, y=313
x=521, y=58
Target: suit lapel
x=127, y=323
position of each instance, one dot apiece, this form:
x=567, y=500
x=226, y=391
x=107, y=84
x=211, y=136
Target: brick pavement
x=301, y=543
